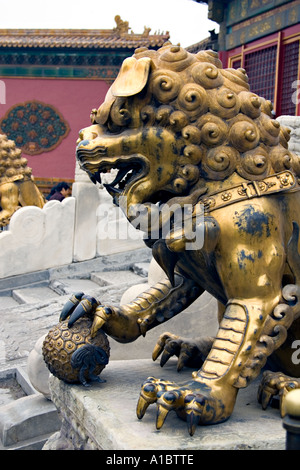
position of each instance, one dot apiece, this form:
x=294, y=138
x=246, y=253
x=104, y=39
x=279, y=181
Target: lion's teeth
x=119, y=177
x=112, y=190
x=98, y=177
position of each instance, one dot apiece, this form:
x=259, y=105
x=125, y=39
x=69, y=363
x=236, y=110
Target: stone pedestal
x=27, y=423
x=103, y=416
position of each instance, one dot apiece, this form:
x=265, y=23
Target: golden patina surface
x=182, y=130
x=17, y=187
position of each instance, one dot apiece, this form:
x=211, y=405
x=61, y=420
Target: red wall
x=74, y=99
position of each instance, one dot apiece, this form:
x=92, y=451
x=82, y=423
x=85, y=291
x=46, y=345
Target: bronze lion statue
x=17, y=187
x=182, y=130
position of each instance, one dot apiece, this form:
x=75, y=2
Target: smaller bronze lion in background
x=17, y=186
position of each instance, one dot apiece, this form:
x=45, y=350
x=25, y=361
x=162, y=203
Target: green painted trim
x=241, y=10
x=259, y=29
x=105, y=73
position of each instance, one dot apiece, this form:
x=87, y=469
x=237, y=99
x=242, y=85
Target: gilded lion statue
x=17, y=187
x=180, y=129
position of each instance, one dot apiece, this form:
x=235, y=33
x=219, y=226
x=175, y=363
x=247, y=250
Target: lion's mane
x=226, y=128
x=12, y=165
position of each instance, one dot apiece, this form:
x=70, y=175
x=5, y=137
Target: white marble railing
x=79, y=228
x=37, y=238
x=293, y=122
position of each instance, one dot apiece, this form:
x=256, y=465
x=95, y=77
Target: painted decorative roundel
x=35, y=127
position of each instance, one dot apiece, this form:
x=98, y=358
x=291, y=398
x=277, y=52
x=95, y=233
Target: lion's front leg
x=126, y=323
x=238, y=353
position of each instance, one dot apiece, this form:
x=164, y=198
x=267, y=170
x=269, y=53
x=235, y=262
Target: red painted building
x=50, y=82
x=263, y=37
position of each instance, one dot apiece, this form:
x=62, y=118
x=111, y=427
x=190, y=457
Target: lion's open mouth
x=129, y=169
x=125, y=176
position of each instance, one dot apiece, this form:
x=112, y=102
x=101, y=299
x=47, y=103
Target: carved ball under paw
x=72, y=355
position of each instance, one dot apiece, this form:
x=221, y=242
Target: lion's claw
x=161, y=343
x=80, y=305
x=192, y=406
x=87, y=305
x=150, y=392
x=167, y=401
x=70, y=305
x=176, y=347
x=273, y=384
x=189, y=353
x=101, y=316
x=77, y=306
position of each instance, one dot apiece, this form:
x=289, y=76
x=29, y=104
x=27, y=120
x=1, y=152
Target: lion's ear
x=104, y=110
x=132, y=77
x=131, y=80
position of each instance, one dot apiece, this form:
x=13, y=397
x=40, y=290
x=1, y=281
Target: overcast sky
x=185, y=20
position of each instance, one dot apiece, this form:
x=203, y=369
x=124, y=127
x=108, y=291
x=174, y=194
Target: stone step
x=68, y=286
x=97, y=280
x=31, y=295
x=27, y=419
x=72, y=285
x=35, y=279
x=116, y=278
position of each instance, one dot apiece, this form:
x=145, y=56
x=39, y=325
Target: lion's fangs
x=117, y=186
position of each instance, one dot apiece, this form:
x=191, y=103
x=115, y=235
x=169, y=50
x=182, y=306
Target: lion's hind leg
x=190, y=352
x=276, y=384
x=285, y=373
x=238, y=353
x=285, y=361
x=30, y=195
x=9, y=194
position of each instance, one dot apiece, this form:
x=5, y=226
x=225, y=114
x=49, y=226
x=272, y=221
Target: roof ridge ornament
x=122, y=26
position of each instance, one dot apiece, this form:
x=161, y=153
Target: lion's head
x=176, y=124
